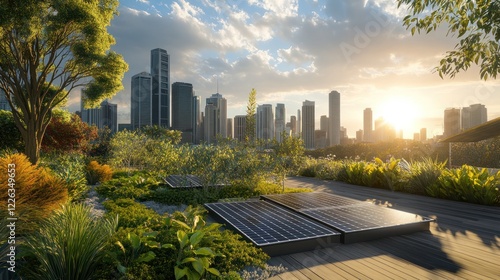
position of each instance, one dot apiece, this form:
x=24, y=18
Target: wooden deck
x=463, y=242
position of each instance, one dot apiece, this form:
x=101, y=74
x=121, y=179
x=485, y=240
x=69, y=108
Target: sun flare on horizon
x=400, y=112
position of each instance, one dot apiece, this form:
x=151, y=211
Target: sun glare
x=400, y=112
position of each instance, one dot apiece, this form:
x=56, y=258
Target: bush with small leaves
x=130, y=213
x=97, y=173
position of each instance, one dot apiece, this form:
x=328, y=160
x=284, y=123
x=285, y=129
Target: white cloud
x=279, y=8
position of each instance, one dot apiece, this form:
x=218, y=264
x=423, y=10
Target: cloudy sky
x=296, y=50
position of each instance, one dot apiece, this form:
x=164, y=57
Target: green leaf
x=168, y=246
x=119, y=244
x=146, y=257
x=196, y=238
x=179, y=273
x=135, y=240
x=213, y=271
x=198, y=266
x=188, y=260
x=182, y=224
x=183, y=238
x=205, y=251
x=121, y=268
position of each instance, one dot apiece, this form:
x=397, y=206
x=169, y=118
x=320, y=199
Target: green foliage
x=130, y=213
x=162, y=134
x=135, y=187
x=484, y=153
x=469, y=184
x=10, y=137
x=98, y=173
x=423, y=175
x=250, y=120
x=287, y=157
x=69, y=167
x=376, y=174
x=69, y=47
x=69, y=244
x=475, y=23
x=128, y=150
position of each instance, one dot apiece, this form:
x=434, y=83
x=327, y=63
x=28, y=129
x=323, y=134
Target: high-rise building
x=106, y=115
x=451, y=122
x=240, y=126
x=141, y=102
x=293, y=125
x=416, y=136
x=215, y=122
x=359, y=136
x=279, y=123
x=368, y=125
x=183, y=114
x=324, y=123
x=299, y=124
x=473, y=115
x=197, y=120
x=423, y=134
x=229, y=128
x=160, y=74
x=265, y=122
x=4, y=104
x=334, y=118
x=308, y=124
x=319, y=139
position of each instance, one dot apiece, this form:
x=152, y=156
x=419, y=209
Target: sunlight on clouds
x=185, y=10
x=138, y=12
x=411, y=69
x=280, y=8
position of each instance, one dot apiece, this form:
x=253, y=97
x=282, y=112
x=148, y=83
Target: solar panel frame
x=275, y=229
x=311, y=200
x=186, y=181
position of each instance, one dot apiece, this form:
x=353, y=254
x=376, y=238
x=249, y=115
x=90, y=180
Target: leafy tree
x=287, y=156
x=475, y=23
x=68, y=133
x=50, y=47
x=250, y=117
x=10, y=138
x=160, y=133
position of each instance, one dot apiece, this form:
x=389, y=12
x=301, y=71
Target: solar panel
x=312, y=200
x=185, y=181
x=357, y=220
x=271, y=227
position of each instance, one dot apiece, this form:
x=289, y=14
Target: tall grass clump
x=469, y=184
x=98, y=173
x=69, y=244
x=37, y=191
x=423, y=175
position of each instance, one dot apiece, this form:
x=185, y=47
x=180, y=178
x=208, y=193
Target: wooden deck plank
x=463, y=242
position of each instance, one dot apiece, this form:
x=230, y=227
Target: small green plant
x=423, y=175
x=469, y=184
x=131, y=213
x=69, y=244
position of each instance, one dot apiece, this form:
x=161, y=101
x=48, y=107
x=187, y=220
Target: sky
x=296, y=50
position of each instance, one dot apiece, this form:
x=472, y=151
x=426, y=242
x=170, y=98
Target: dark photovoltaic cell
x=312, y=200
x=185, y=181
x=266, y=224
x=357, y=220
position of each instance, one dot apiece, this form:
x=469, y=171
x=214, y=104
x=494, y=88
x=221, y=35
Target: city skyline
x=291, y=51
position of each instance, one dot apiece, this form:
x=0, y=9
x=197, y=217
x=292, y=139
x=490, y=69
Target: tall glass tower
x=308, y=124
x=140, y=111
x=334, y=118
x=183, y=115
x=160, y=74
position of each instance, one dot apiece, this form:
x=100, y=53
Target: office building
x=473, y=115
x=423, y=134
x=197, y=121
x=359, y=136
x=451, y=122
x=229, y=128
x=160, y=90
x=368, y=125
x=334, y=118
x=4, y=104
x=279, y=122
x=293, y=125
x=141, y=102
x=240, y=126
x=106, y=115
x=308, y=124
x=299, y=124
x=215, y=121
x=265, y=122
x=183, y=111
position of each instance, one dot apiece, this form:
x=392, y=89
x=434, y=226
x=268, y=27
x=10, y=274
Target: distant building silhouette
x=308, y=124
x=240, y=126
x=359, y=136
x=215, y=122
x=160, y=74
x=229, y=128
x=4, y=104
x=265, y=122
x=320, y=139
x=106, y=115
x=423, y=134
x=279, y=123
x=185, y=111
x=334, y=118
x=368, y=125
x=293, y=125
x=473, y=115
x=299, y=124
x=451, y=122
x=324, y=125
x=141, y=101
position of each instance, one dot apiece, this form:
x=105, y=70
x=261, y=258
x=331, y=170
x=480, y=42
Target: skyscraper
x=324, y=123
x=299, y=124
x=160, y=74
x=334, y=118
x=474, y=116
x=141, y=102
x=229, y=128
x=197, y=120
x=368, y=125
x=423, y=134
x=4, y=104
x=451, y=122
x=293, y=125
x=265, y=122
x=280, y=123
x=240, y=126
x=308, y=124
x=215, y=122
x=106, y=115
x=183, y=111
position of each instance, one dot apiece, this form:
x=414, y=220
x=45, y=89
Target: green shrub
x=422, y=175
x=130, y=213
x=308, y=167
x=69, y=245
x=328, y=169
x=97, y=173
x=135, y=187
x=69, y=167
x=468, y=184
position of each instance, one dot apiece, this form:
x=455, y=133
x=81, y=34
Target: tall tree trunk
x=32, y=141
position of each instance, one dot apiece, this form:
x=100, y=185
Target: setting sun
x=400, y=112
